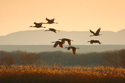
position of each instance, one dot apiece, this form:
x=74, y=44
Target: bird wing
x=61, y=45
x=97, y=32
x=91, y=31
x=56, y=43
x=69, y=43
x=47, y=19
x=74, y=51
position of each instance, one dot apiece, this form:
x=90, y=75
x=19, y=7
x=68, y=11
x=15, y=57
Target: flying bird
x=52, y=29
x=38, y=25
x=94, y=41
x=97, y=32
x=66, y=39
x=73, y=49
x=58, y=43
x=50, y=21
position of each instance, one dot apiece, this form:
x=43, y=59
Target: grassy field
x=55, y=74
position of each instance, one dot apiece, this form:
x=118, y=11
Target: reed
x=56, y=74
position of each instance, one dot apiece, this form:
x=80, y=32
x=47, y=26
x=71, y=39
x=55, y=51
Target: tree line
x=108, y=58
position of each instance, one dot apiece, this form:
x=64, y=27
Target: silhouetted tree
x=111, y=58
x=7, y=61
x=28, y=58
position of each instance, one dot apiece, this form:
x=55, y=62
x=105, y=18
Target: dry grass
x=55, y=74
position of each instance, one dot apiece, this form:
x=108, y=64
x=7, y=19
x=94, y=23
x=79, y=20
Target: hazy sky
x=71, y=15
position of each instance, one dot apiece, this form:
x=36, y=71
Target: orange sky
x=71, y=15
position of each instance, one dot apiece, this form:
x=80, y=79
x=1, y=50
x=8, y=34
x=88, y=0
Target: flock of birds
x=63, y=40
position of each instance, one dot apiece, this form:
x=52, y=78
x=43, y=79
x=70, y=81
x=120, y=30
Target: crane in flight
x=96, y=33
x=38, y=25
x=66, y=39
x=50, y=21
x=57, y=43
x=73, y=49
x=94, y=41
x=52, y=29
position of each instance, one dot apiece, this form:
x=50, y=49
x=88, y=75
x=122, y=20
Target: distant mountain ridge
x=40, y=37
